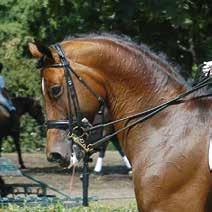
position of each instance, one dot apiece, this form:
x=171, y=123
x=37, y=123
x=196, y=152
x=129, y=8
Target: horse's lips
x=71, y=160
x=69, y=163
x=65, y=163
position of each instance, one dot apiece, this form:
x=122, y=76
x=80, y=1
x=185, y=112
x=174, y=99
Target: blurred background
x=181, y=29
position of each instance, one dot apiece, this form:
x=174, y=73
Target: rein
x=79, y=127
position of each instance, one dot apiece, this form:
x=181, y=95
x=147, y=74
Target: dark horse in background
x=169, y=152
x=5, y=117
x=102, y=148
x=11, y=126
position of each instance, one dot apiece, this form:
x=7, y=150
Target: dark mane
x=161, y=58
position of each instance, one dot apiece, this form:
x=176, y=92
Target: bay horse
x=169, y=152
x=11, y=127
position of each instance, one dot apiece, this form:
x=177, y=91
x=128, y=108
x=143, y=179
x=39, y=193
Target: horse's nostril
x=55, y=157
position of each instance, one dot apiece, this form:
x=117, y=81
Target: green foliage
x=94, y=207
x=184, y=29
x=181, y=29
x=31, y=139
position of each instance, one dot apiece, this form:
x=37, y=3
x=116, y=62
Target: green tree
x=182, y=29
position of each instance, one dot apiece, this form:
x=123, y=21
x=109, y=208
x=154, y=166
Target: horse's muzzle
x=59, y=152
x=56, y=157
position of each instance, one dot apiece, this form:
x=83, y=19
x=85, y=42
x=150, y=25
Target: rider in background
x=4, y=99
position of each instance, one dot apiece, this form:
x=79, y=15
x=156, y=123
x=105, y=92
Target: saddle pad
x=8, y=168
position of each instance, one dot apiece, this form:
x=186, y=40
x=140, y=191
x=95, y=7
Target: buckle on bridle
x=79, y=137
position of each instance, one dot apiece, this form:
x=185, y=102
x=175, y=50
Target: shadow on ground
x=107, y=170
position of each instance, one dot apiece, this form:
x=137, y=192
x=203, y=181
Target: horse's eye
x=56, y=91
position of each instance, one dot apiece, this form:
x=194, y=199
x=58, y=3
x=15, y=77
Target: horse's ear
x=38, y=50
x=34, y=50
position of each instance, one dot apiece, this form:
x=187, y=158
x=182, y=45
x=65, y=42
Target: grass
x=59, y=207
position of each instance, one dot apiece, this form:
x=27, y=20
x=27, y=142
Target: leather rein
x=79, y=127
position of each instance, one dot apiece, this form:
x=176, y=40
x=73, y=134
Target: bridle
x=79, y=127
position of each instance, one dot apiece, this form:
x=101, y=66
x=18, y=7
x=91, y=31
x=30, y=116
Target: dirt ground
x=114, y=186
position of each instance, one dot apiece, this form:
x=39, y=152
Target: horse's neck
x=134, y=80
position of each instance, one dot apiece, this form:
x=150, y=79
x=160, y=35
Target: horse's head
x=55, y=92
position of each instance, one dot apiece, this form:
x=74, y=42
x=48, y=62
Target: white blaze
x=43, y=86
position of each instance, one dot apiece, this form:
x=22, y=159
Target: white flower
x=207, y=67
